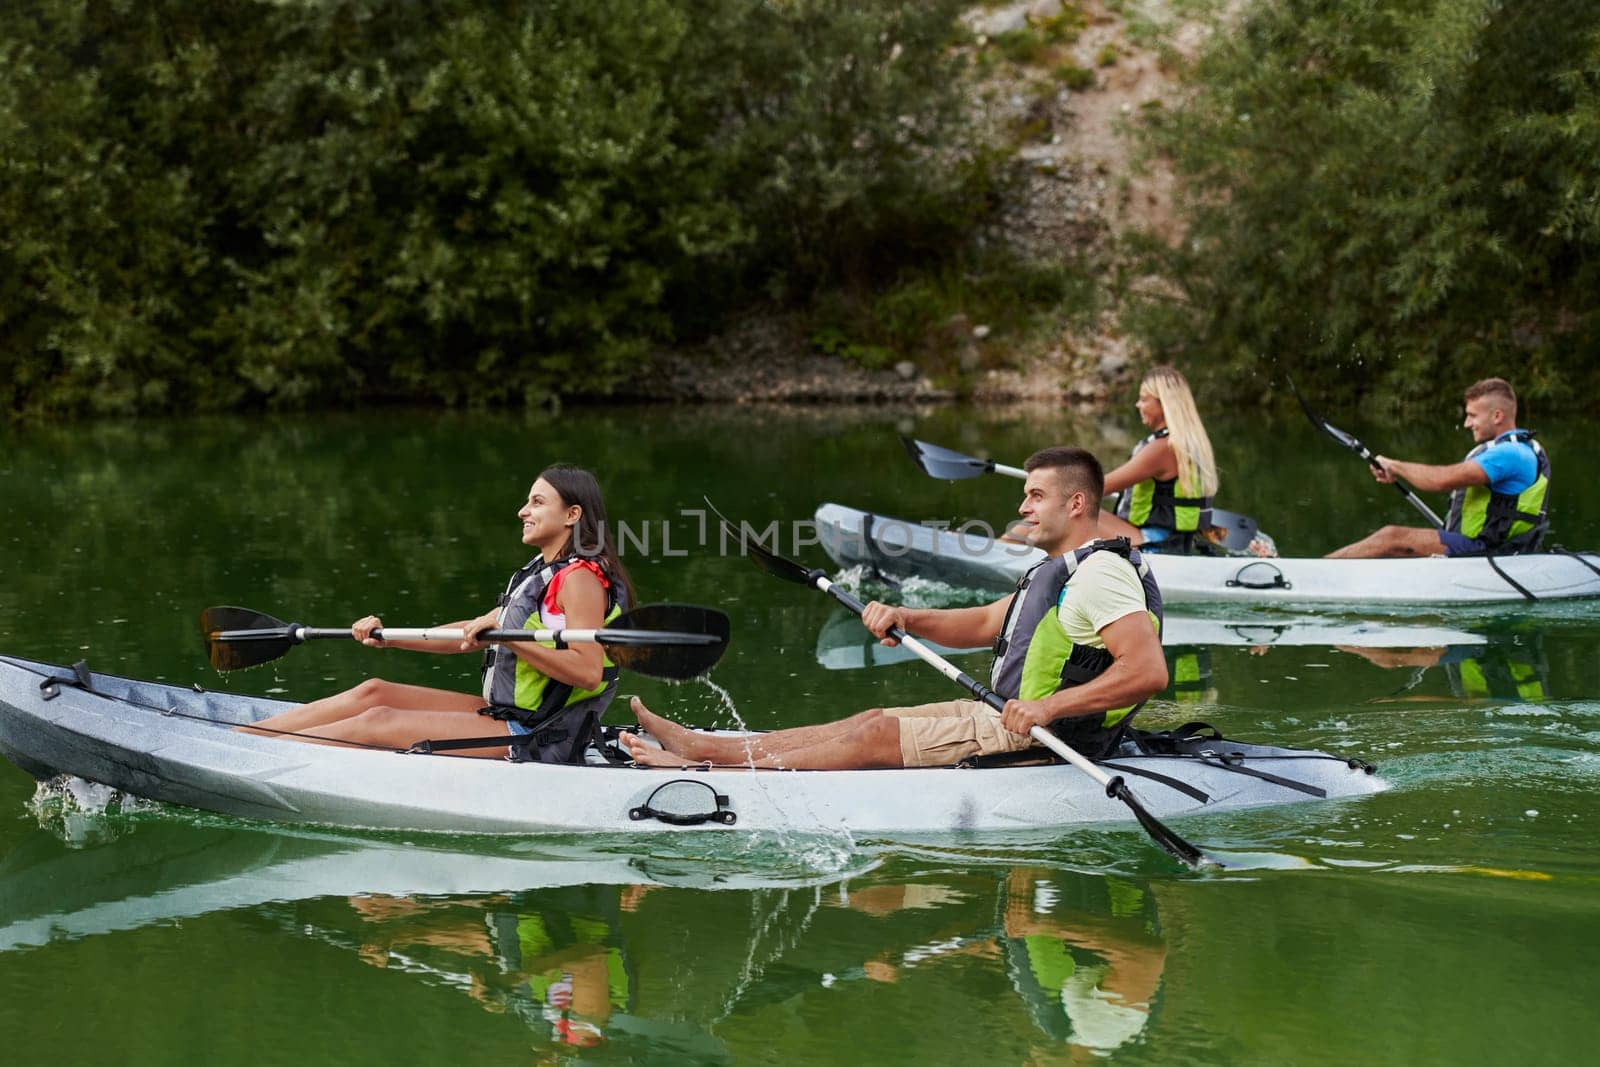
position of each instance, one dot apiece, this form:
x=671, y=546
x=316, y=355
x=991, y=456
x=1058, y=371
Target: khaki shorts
x=947, y=731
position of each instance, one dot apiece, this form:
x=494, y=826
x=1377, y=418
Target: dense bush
x=288, y=202
x=1390, y=198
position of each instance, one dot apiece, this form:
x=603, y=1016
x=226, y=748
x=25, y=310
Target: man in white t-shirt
x=1103, y=634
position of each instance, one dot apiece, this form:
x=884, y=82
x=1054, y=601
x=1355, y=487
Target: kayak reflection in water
x=560, y=969
x=1089, y=970
x=1510, y=668
x=575, y=580
x=1085, y=954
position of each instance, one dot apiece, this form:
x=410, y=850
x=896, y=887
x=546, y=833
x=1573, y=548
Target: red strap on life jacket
x=554, y=588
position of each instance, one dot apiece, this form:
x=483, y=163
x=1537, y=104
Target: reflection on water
x=185, y=931
x=585, y=949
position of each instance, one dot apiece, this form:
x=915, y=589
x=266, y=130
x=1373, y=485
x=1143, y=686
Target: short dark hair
x=1078, y=468
x=1491, y=387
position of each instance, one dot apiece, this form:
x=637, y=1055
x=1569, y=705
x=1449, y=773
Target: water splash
x=79, y=812
x=819, y=849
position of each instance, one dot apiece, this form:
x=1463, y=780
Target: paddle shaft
x=1115, y=788
x=940, y=462
x=299, y=634
x=1355, y=444
x=967, y=682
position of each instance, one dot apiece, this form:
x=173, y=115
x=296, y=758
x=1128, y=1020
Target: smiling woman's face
x=546, y=521
x=1150, y=411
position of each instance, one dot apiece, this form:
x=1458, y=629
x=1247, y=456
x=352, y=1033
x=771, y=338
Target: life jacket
x=1503, y=520
x=1034, y=657
x=1190, y=673
x=562, y=718
x=1498, y=678
x=1154, y=502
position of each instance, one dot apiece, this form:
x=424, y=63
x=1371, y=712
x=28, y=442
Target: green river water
x=1452, y=919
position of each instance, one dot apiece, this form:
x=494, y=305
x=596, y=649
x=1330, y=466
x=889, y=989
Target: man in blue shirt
x=1498, y=493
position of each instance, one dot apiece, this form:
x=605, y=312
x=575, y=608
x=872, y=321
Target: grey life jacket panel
x=1038, y=593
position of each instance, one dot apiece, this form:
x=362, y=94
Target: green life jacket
x=1154, y=502
x=1034, y=657
x=1503, y=520
x=563, y=718
x=1507, y=679
x=535, y=943
x=1190, y=673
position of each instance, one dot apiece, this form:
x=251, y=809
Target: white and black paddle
x=939, y=462
x=1353, y=443
x=672, y=641
x=1115, y=787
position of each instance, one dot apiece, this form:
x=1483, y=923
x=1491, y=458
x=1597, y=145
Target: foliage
x=1387, y=197
x=319, y=202
x=927, y=313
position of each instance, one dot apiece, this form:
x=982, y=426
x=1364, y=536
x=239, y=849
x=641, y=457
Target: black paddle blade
x=943, y=462
x=1237, y=530
x=240, y=637
x=1171, y=843
x=672, y=659
x=759, y=554
x=1349, y=441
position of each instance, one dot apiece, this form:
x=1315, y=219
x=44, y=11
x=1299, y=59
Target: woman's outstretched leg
x=400, y=728
x=372, y=693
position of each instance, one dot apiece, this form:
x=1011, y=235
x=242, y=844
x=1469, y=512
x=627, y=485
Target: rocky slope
x=1073, y=189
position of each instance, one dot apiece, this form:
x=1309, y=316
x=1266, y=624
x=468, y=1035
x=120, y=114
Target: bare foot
x=674, y=738
x=647, y=755
x=1263, y=546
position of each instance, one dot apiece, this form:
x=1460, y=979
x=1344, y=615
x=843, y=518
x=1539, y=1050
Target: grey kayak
x=171, y=743
x=899, y=548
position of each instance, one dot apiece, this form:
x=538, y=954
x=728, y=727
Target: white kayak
x=899, y=549
x=172, y=743
x=844, y=644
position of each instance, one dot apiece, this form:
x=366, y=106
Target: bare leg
x=871, y=743
x=372, y=693
x=1393, y=541
x=400, y=728
x=693, y=746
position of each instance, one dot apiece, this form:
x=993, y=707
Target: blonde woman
x=1167, y=484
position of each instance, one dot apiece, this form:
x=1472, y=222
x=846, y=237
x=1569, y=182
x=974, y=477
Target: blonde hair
x=1197, y=468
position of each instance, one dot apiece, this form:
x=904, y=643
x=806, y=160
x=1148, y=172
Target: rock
x=993, y=23
x=1114, y=365
x=969, y=358
x=980, y=331
x=906, y=369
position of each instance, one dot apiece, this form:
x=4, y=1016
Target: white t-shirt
x=1104, y=588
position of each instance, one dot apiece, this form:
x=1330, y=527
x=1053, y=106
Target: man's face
x=1048, y=509
x=1485, y=418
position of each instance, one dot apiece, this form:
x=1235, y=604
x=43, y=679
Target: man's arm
x=1430, y=478
x=951, y=627
x=1138, y=671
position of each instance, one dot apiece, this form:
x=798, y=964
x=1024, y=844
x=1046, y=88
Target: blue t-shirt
x=1511, y=465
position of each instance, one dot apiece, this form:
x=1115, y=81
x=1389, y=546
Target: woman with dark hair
x=547, y=697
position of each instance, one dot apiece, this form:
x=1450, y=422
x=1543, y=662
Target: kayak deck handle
x=1253, y=576
x=683, y=804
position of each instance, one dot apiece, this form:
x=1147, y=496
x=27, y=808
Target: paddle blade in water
x=943, y=462
x=239, y=637
x=1171, y=843
x=671, y=659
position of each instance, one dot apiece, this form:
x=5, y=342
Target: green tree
x=1389, y=198
x=315, y=202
